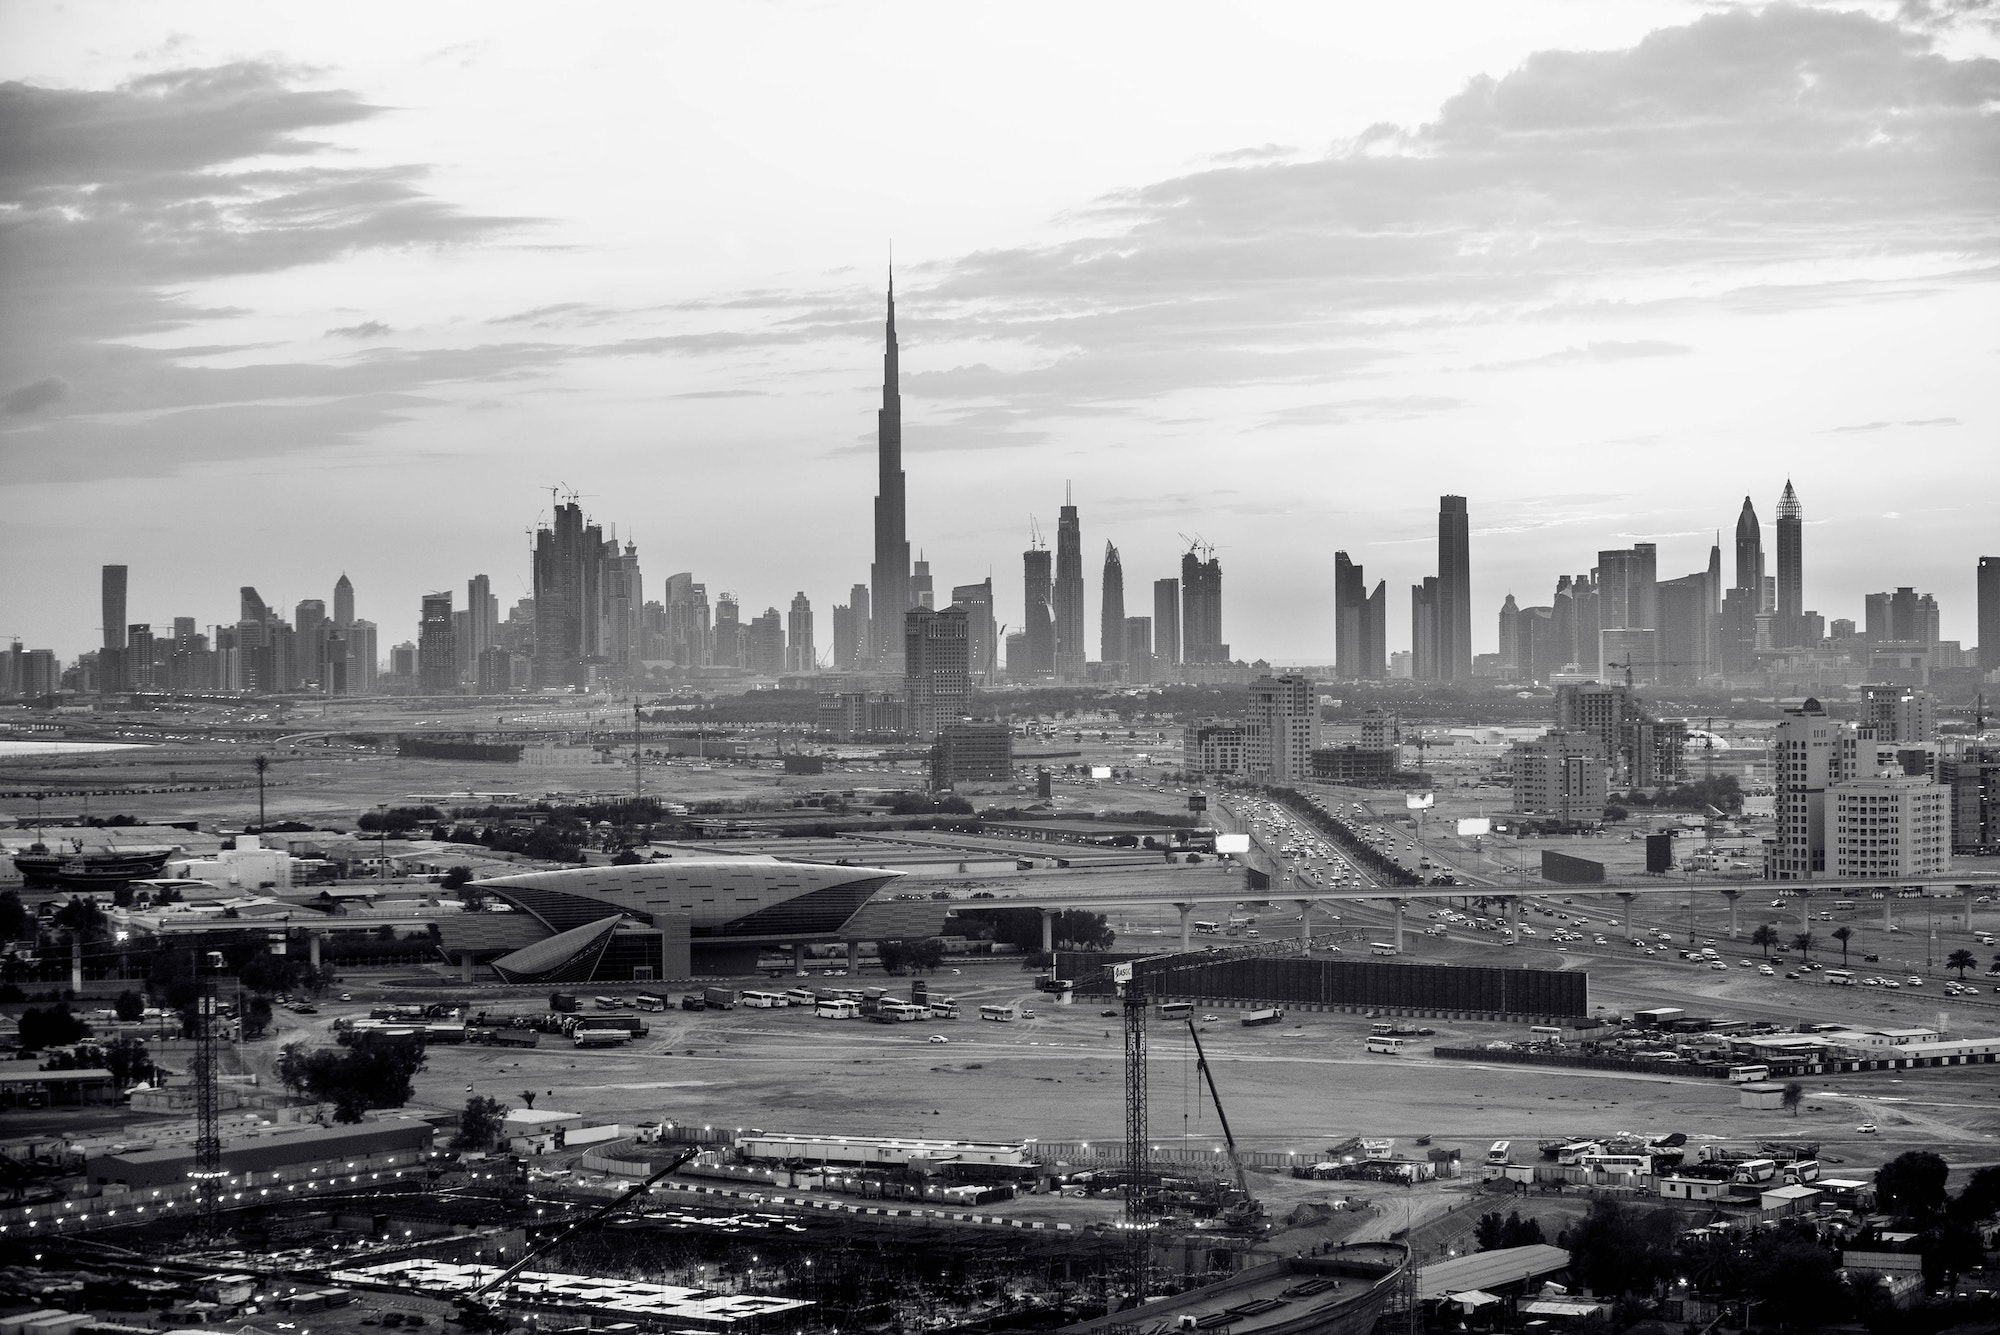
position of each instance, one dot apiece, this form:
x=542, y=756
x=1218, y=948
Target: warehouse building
x=310, y=1152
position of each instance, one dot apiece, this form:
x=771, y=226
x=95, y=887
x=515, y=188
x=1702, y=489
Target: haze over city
x=282, y=300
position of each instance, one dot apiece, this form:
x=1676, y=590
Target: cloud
x=120, y=201
x=36, y=394
x=1602, y=350
x=1392, y=408
x=1884, y=426
x=366, y=329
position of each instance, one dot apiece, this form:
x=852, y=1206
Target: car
x=1914, y=981
x=939, y=1038
x=1599, y=941
x=1106, y=1013
x=1766, y=971
x=1890, y=983
x=1866, y=1129
x=1777, y=903
x=1871, y=959
x=347, y=996
x=1749, y=964
x=305, y=1008
x=1718, y=965
x=1792, y=974
x=1210, y=1019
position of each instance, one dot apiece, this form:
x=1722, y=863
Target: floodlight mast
x=1137, y=1150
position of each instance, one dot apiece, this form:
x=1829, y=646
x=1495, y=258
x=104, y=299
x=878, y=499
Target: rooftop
x=1490, y=1270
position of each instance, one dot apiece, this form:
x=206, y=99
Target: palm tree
x=1765, y=937
x=1961, y=960
x=262, y=763
x=1804, y=941
x=1843, y=935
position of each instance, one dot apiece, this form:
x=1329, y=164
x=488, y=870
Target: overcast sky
x=288, y=290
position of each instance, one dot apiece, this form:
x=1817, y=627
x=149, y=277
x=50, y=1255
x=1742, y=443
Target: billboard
x=1419, y=801
x=1567, y=870
x=1290, y=981
x=1475, y=825
x=1100, y=771
x=1232, y=843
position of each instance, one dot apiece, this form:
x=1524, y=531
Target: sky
x=289, y=291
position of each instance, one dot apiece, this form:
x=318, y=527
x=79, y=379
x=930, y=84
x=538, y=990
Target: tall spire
x=889, y=576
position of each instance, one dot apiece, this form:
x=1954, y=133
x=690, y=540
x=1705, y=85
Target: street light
x=382, y=845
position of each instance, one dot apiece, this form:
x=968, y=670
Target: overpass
x=1805, y=893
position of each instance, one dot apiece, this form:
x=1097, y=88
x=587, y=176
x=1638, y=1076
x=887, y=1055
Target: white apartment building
x=1806, y=755
x=1284, y=728
x=1892, y=825
x=1561, y=776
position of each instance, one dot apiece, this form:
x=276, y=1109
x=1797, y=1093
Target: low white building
x=249, y=865
x=1890, y=824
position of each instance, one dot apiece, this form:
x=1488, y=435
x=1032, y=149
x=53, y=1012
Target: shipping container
x=1269, y=1016
x=719, y=998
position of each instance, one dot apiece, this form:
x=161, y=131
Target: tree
x=1981, y=1197
x=1489, y=1230
x=14, y=916
x=373, y=1072
x=54, y=1027
x=82, y=920
x=455, y=877
x=1961, y=960
x=1765, y=938
x=1804, y=941
x=1843, y=934
x=1794, y=1095
x=262, y=764
x=130, y=1006
x=479, y=1124
x=1912, y=1184
x=1617, y=1249
x=256, y=1017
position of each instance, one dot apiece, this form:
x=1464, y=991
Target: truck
x=503, y=1038
x=1268, y=1016
x=599, y=1036
x=692, y=1002
x=719, y=998
x=562, y=1001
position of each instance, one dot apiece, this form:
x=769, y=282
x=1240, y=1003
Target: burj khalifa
x=889, y=575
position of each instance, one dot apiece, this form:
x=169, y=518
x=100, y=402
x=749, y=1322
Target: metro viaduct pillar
x=1048, y=932
x=1732, y=896
x=1398, y=938
x=1187, y=913
x=1305, y=925
x=1627, y=896
x=798, y=959
x=313, y=939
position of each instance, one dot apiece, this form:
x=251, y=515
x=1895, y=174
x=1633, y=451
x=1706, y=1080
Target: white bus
x=838, y=1008
x=1175, y=1010
x=1748, y=1075
x=799, y=996
x=645, y=1001
x=1004, y=1014
x=1838, y=978
x=763, y=1000
x=606, y=1003
x=1384, y=1044
x=1547, y=1033
x=901, y=1012
x=1572, y=1154
x=1381, y=948
x=1206, y=928
x=1497, y=1153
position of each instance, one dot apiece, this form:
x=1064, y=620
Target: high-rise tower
x=1749, y=551
x=343, y=601
x=1167, y=623
x=111, y=661
x=1036, y=622
x=1454, y=591
x=889, y=575
x=1791, y=569
x=1111, y=619
x=1358, y=622
x=1070, y=649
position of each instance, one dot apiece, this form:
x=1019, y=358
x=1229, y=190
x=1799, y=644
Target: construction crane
x=476, y=1314
x=1631, y=663
x=1243, y=1214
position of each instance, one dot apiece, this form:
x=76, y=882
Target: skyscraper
x=1359, y=652
x=1750, y=552
x=1510, y=634
x=1111, y=613
x=1284, y=719
x=767, y=643
x=1071, y=652
x=1791, y=607
x=1425, y=664
x=482, y=617
x=1989, y=612
x=1454, y=590
x=1138, y=648
x=111, y=659
x=310, y=623
x=799, y=653
x=936, y=689
x=1037, y=622
x=860, y=600
x=843, y=637
x=982, y=654
x=889, y=576
x=437, y=646
x=564, y=554
x=343, y=601
x=922, y=594
x=1167, y=623
x=730, y=648
x=1201, y=608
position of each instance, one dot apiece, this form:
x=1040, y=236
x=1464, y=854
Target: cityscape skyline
x=1582, y=404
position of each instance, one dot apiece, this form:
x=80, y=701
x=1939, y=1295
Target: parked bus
x=1498, y=1151
x=1384, y=1044
x=1381, y=948
x=944, y=1008
x=1004, y=1014
x=647, y=1002
x=799, y=996
x=606, y=1003
x=1175, y=1010
x=891, y=1011
x=1748, y=1075
x=1839, y=904
x=838, y=1008
x=1381, y=1027
x=1547, y=1033
x=1572, y=1154
x=763, y=1001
